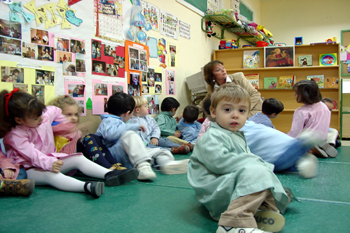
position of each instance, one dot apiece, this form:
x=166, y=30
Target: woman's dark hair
x=190, y=113
x=21, y=105
x=206, y=106
x=120, y=103
x=169, y=103
x=208, y=72
x=307, y=91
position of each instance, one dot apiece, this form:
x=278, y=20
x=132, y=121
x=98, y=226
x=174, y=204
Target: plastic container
x=261, y=44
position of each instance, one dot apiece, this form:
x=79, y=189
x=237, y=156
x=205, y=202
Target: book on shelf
x=270, y=82
x=319, y=79
x=251, y=59
x=305, y=60
x=286, y=81
x=253, y=79
x=332, y=82
x=328, y=59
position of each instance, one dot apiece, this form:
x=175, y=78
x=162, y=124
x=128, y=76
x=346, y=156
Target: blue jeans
x=164, y=143
x=21, y=175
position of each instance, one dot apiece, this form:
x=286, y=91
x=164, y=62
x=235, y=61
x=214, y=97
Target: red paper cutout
x=71, y=2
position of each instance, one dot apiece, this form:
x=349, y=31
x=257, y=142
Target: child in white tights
x=30, y=143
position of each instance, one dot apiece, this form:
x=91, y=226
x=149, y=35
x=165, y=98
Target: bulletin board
x=345, y=41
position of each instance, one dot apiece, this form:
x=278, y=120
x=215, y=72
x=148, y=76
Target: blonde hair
x=229, y=92
x=63, y=100
x=139, y=101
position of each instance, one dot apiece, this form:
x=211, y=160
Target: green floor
x=168, y=205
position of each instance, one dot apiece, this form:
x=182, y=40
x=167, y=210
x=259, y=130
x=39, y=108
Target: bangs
x=35, y=108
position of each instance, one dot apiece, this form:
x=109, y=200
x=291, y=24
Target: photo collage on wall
x=152, y=103
x=10, y=37
x=76, y=89
x=138, y=59
x=107, y=59
x=151, y=82
x=170, y=82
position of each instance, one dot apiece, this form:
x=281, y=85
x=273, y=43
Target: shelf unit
x=233, y=62
x=229, y=24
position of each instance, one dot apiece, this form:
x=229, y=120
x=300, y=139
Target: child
x=332, y=133
x=152, y=134
x=30, y=143
x=167, y=123
x=206, y=123
x=313, y=115
x=271, y=107
x=123, y=143
x=227, y=178
x=188, y=125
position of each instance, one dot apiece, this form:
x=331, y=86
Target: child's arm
x=299, y=120
x=155, y=133
x=9, y=169
x=55, y=114
x=111, y=129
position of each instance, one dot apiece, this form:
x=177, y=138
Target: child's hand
x=178, y=118
x=8, y=174
x=142, y=128
x=85, y=126
x=154, y=141
x=56, y=166
x=177, y=134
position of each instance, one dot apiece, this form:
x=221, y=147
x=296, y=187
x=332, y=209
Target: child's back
x=271, y=107
x=188, y=125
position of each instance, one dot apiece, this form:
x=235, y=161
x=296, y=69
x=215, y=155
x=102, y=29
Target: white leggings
x=67, y=183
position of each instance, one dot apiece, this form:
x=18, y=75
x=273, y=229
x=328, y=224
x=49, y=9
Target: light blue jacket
x=152, y=128
x=222, y=169
x=189, y=131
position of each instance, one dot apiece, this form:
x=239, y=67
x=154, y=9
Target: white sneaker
x=145, y=171
x=307, y=166
x=222, y=229
x=175, y=167
x=310, y=138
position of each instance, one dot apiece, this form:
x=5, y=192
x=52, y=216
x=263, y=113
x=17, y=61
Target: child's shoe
x=330, y=150
x=307, y=166
x=269, y=221
x=145, y=171
x=184, y=149
x=223, y=229
x=175, y=167
x=190, y=145
x=309, y=138
x=337, y=144
x=318, y=152
x=118, y=177
x=23, y=187
x=96, y=188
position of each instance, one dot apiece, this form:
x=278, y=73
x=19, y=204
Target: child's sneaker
x=330, y=150
x=184, y=149
x=175, y=167
x=307, y=166
x=190, y=145
x=145, y=171
x=23, y=187
x=96, y=188
x=269, y=221
x=317, y=151
x=222, y=229
x=118, y=177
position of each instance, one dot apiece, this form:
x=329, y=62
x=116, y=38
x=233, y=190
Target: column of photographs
x=15, y=75
x=10, y=37
x=107, y=59
x=151, y=82
x=76, y=89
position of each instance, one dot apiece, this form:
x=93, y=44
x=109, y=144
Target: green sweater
x=166, y=123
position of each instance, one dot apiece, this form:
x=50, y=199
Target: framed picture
x=328, y=59
x=345, y=41
x=298, y=40
x=277, y=56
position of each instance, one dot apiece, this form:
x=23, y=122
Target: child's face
x=329, y=105
x=173, y=111
x=31, y=122
x=143, y=110
x=71, y=112
x=230, y=115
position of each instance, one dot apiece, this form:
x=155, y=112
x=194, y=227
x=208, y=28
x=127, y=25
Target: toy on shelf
x=333, y=39
x=210, y=26
x=228, y=44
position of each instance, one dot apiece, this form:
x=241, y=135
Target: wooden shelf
x=233, y=62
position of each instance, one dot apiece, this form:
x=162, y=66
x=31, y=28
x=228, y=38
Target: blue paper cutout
x=71, y=18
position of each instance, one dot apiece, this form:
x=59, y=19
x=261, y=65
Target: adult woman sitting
x=215, y=75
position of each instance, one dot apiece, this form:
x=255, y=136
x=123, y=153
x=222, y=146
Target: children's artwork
x=286, y=82
x=328, y=59
x=151, y=14
x=45, y=53
x=152, y=45
x=305, y=60
x=270, y=82
x=332, y=82
x=44, y=77
x=40, y=37
x=10, y=29
x=29, y=50
x=169, y=25
x=76, y=89
x=137, y=23
x=12, y=74
x=162, y=52
x=16, y=10
x=251, y=59
x=10, y=46
x=153, y=103
x=253, y=79
x=279, y=56
x=170, y=82
x=173, y=55
x=184, y=29
x=319, y=79
x=108, y=20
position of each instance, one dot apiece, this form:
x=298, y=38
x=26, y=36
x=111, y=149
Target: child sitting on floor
x=271, y=107
x=30, y=143
x=121, y=140
x=332, y=133
x=152, y=134
x=230, y=181
x=167, y=122
x=188, y=125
